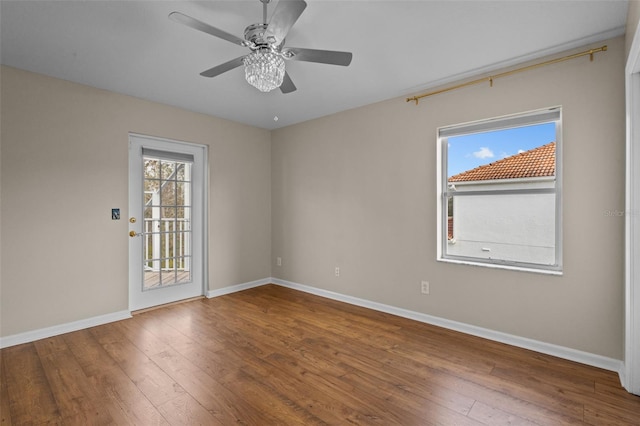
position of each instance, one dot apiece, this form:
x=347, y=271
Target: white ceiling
x=399, y=48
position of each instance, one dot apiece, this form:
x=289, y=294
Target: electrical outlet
x=278, y=261
x=424, y=287
x=337, y=271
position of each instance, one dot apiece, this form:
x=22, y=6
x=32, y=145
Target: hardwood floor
x=272, y=355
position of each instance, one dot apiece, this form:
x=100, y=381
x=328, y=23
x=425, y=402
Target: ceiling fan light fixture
x=264, y=66
x=264, y=69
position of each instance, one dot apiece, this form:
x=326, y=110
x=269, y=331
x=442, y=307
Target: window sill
x=498, y=266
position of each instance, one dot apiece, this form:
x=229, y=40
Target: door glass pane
x=151, y=188
x=181, y=173
x=184, y=270
x=152, y=169
x=168, y=212
x=168, y=196
x=183, y=189
x=167, y=170
x=167, y=230
x=168, y=278
x=151, y=280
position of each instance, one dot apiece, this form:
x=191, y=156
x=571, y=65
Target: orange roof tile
x=538, y=162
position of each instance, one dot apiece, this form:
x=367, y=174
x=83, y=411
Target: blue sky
x=470, y=151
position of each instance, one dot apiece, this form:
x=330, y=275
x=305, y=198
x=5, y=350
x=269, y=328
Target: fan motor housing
x=254, y=34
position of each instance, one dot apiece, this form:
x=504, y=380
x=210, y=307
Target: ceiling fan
x=265, y=64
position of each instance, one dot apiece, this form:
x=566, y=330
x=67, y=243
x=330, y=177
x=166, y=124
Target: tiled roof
x=538, y=162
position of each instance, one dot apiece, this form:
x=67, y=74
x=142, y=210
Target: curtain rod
x=490, y=79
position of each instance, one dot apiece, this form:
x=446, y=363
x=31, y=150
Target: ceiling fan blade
x=287, y=85
x=331, y=57
x=201, y=26
x=222, y=68
x=286, y=14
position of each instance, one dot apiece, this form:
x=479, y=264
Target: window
x=499, y=186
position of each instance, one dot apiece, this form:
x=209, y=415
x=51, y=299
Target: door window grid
x=167, y=226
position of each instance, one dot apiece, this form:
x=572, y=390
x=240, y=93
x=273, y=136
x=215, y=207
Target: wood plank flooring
x=272, y=355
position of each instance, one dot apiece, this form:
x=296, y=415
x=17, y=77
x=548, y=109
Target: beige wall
x=354, y=190
x=358, y=190
x=65, y=165
x=633, y=17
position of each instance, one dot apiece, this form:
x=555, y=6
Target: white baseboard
x=43, y=333
x=522, y=342
x=238, y=287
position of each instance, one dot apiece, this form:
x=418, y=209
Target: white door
x=167, y=232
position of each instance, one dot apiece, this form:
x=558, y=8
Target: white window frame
x=553, y=114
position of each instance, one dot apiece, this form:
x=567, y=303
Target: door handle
x=134, y=234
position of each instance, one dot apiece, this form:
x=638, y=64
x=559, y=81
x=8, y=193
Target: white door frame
x=200, y=241
x=631, y=374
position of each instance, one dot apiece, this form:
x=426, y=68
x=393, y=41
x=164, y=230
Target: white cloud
x=483, y=153
x=506, y=154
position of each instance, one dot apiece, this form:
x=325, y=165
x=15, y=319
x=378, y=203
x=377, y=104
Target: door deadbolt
x=132, y=220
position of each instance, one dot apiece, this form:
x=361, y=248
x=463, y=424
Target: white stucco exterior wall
x=515, y=227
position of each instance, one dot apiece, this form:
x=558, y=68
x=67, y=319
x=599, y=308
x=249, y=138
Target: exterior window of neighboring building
x=500, y=187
